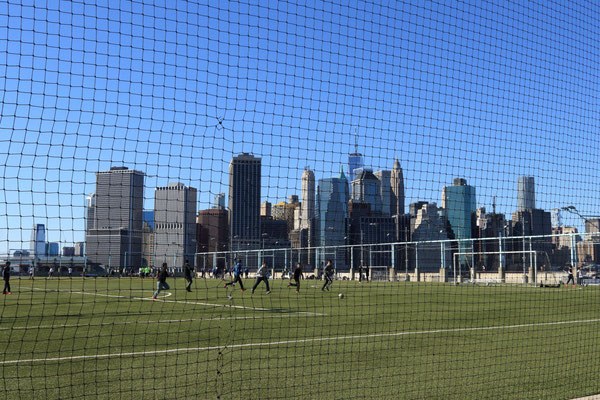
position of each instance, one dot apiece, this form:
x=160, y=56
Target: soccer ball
x=341, y=295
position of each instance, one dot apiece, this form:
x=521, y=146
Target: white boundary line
x=293, y=341
x=182, y=302
x=170, y=321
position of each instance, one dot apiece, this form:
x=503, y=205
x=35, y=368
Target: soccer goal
x=464, y=269
x=379, y=273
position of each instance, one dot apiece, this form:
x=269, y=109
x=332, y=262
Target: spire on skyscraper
x=342, y=176
x=397, y=183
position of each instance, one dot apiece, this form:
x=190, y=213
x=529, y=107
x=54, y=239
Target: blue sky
x=485, y=90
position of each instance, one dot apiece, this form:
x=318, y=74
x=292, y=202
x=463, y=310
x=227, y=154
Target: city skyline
x=375, y=196
x=518, y=184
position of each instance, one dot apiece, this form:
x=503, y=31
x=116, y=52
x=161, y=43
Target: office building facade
x=526, y=193
x=460, y=203
x=175, y=224
x=244, y=201
x=388, y=206
x=366, y=188
x=38, y=240
x=114, y=234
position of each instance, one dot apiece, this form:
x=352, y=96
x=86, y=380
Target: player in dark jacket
x=570, y=278
x=162, y=281
x=187, y=274
x=297, y=276
x=328, y=276
x=6, y=276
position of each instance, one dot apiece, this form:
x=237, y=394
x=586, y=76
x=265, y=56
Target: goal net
x=379, y=273
x=164, y=163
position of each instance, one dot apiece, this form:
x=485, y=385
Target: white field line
x=182, y=302
x=170, y=321
x=293, y=341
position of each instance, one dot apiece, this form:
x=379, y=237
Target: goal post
x=468, y=256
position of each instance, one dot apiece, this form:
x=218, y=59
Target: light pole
x=406, y=252
x=262, y=247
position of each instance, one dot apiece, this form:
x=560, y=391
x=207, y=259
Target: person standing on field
x=161, y=284
x=328, y=275
x=580, y=276
x=570, y=277
x=6, y=276
x=262, y=275
x=187, y=273
x=297, y=276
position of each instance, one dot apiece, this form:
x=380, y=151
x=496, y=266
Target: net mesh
x=441, y=141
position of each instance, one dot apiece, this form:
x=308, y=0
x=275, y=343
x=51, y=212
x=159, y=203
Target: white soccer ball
x=341, y=295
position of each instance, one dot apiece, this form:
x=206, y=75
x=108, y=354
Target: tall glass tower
x=38, y=240
x=526, y=193
x=244, y=201
x=459, y=202
x=355, y=161
x=332, y=214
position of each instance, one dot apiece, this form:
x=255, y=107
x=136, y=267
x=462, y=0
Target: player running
x=328, y=276
x=187, y=274
x=6, y=276
x=297, y=275
x=262, y=275
x=237, y=275
x=570, y=277
x=162, y=281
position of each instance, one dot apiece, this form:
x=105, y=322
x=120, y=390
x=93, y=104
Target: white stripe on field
x=294, y=341
x=182, y=302
x=170, y=321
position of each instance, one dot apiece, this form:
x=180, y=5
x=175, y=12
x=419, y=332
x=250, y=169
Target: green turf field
x=104, y=338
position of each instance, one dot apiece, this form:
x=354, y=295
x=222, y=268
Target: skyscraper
x=244, y=201
x=212, y=236
x=429, y=224
x=331, y=215
x=355, y=160
x=459, y=202
x=388, y=205
x=38, y=240
x=366, y=188
x=114, y=235
x=556, y=217
x=91, y=211
x=526, y=193
x=284, y=211
x=397, y=184
x=308, y=198
x=175, y=224
x=219, y=200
